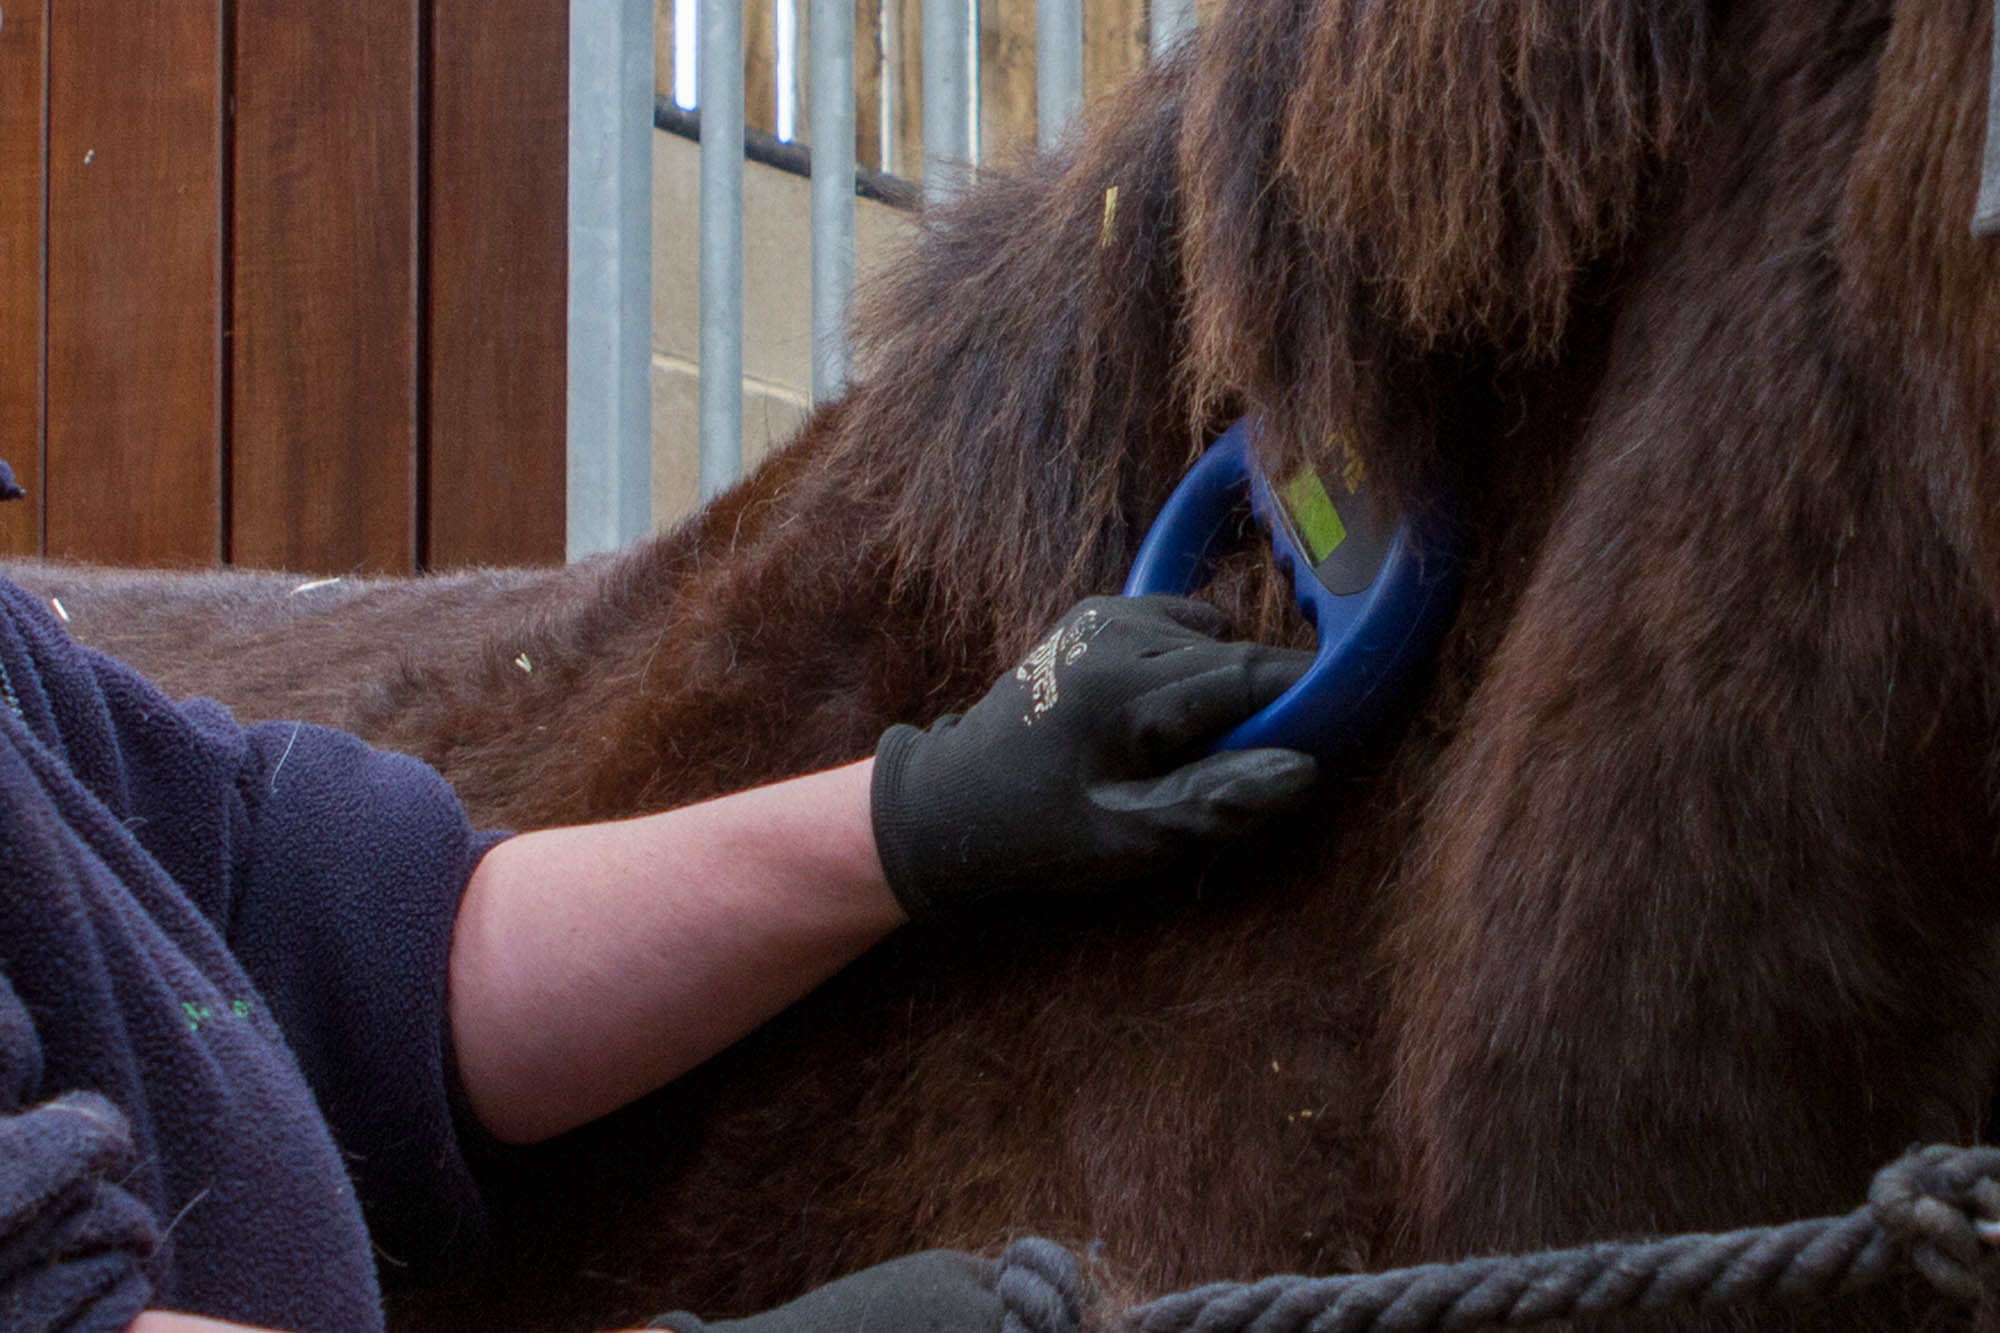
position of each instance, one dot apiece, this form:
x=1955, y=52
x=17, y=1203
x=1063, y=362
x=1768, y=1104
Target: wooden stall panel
x=868, y=83
x=760, y=76
x=1006, y=81
x=902, y=37
x=1115, y=34
x=135, y=280
x=324, y=333
x=499, y=276
x=23, y=101
x=1114, y=50
x=760, y=65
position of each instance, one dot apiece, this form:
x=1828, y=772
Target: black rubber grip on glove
x=938, y=1291
x=1087, y=766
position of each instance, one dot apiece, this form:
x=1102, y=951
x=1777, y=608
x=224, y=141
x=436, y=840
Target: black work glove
x=1084, y=767
x=938, y=1291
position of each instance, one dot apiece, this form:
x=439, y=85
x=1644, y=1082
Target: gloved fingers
x=1124, y=628
x=1106, y=648
x=1218, y=796
x=1199, y=695
x=1166, y=614
x=937, y=1291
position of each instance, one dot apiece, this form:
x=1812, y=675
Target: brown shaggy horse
x=1675, y=904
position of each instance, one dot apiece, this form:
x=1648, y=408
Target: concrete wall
x=777, y=310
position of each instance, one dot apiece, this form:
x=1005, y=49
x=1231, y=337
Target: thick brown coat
x=1673, y=906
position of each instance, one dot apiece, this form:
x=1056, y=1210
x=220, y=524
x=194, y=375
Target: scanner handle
x=1369, y=641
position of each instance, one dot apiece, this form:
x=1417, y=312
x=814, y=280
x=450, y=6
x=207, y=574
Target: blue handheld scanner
x=1377, y=586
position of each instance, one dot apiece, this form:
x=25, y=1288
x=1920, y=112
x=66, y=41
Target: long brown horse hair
x=1671, y=905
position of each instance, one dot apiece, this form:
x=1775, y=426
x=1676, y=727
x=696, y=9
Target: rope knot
x=1040, y=1286
x=1942, y=1204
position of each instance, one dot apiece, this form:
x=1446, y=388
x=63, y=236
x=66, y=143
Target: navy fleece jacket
x=222, y=1033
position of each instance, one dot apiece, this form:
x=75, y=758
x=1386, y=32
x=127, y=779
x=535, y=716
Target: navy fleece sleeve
x=352, y=872
x=73, y=1242
x=333, y=873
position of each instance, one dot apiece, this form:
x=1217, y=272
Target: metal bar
x=888, y=97
x=1170, y=20
x=831, y=128
x=762, y=146
x=1058, y=66
x=947, y=96
x=719, y=80
x=1986, y=210
x=609, y=412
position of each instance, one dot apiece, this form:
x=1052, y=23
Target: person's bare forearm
x=591, y=965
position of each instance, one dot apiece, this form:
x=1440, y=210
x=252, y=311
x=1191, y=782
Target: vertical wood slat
x=1007, y=79
x=1114, y=49
x=1114, y=44
x=23, y=131
x=868, y=83
x=324, y=336
x=883, y=31
x=135, y=280
x=902, y=21
x=498, y=281
x=760, y=66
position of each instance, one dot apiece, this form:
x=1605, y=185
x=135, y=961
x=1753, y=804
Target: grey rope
x=1938, y=1208
x=1039, y=1285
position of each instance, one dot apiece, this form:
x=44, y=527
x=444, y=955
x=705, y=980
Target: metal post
x=1058, y=66
x=831, y=93
x=609, y=411
x=947, y=96
x=1170, y=20
x=719, y=78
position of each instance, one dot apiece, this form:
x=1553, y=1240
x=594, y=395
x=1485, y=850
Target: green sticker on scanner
x=1313, y=515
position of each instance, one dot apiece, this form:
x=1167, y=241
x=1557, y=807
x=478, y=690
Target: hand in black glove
x=938, y=1291
x=1084, y=766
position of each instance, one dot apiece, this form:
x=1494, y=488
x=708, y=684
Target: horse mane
x=1017, y=406
x=1268, y=223
x=1914, y=277
x=1369, y=184
x=1671, y=905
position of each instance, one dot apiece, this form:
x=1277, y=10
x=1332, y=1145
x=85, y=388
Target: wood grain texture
x=868, y=83
x=903, y=37
x=1114, y=44
x=498, y=289
x=760, y=65
x=1007, y=81
x=324, y=345
x=23, y=189
x=134, y=281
